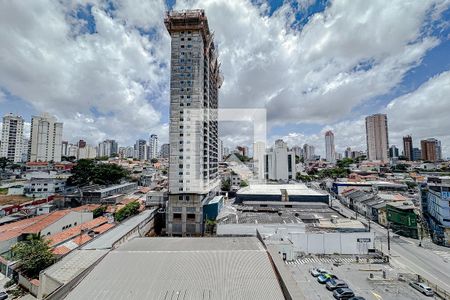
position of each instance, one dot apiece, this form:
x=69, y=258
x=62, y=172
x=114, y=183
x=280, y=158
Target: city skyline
x=411, y=73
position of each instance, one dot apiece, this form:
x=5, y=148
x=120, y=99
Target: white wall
x=69, y=219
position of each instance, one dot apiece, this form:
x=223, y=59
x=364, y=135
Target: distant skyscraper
x=348, y=152
x=431, y=149
x=153, y=146
x=377, y=137
x=81, y=144
x=195, y=82
x=45, y=138
x=220, y=150
x=417, y=154
x=12, y=138
x=140, y=150
x=408, y=147
x=329, y=147
x=64, y=148
x=393, y=152
x=108, y=148
x=308, y=152
x=298, y=151
x=259, y=150
x=165, y=150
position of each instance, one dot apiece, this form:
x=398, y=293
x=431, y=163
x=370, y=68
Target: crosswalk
x=312, y=260
x=444, y=254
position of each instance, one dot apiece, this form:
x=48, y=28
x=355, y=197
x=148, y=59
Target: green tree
x=88, y=171
x=244, y=183
x=128, y=210
x=154, y=160
x=225, y=185
x=4, y=162
x=33, y=255
x=82, y=173
x=344, y=163
x=99, y=211
x=304, y=178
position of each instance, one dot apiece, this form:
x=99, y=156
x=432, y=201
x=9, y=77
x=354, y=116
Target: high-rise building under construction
x=194, y=85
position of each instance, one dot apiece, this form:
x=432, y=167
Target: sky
x=102, y=67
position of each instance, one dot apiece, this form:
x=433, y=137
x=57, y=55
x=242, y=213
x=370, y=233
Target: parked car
x=343, y=293
x=323, y=278
x=357, y=298
x=316, y=272
x=423, y=288
x=333, y=284
x=3, y=295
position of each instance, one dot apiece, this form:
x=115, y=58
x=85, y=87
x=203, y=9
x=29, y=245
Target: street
x=406, y=253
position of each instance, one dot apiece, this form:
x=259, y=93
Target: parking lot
x=357, y=278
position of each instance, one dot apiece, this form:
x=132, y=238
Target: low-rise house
x=402, y=218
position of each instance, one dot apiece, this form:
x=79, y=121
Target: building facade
x=435, y=198
x=194, y=85
x=377, y=137
x=153, y=147
x=417, y=154
x=408, y=148
x=165, y=150
x=279, y=162
x=330, y=151
x=108, y=148
x=308, y=152
x=12, y=138
x=393, y=152
x=259, y=151
x=431, y=149
x=45, y=138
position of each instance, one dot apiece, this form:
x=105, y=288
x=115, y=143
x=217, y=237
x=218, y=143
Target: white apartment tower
x=259, y=151
x=153, y=146
x=330, y=151
x=194, y=85
x=377, y=137
x=45, y=138
x=12, y=138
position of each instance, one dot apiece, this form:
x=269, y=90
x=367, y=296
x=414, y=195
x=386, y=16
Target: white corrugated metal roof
x=183, y=268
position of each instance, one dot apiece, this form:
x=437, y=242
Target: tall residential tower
x=330, y=150
x=377, y=137
x=408, y=147
x=12, y=138
x=194, y=86
x=45, y=138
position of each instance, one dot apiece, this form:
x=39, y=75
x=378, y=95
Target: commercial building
x=377, y=137
x=183, y=268
x=11, y=145
x=417, y=154
x=431, y=150
x=435, y=203
x=279, y=162
x=195, y=81
x=45, y=138
x=330, y=150
x=408, y=148
x=402, y=219
x=284, y=193
x=108, y=148
x=153, y=147
x=98, y=194
x=165, y=150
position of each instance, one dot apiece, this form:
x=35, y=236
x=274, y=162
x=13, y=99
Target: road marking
x=377, y=296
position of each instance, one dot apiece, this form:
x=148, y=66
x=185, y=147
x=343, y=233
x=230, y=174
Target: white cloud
x=113, y=83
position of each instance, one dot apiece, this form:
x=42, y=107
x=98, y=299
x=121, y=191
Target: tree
x=99, y=211
x=243, y=183
x=225, y=185
x=33, y=254
x=154, y=160
x=344, y=163
x=4, y=162
x=128, y=210
x=304, y=178
x=87, y=172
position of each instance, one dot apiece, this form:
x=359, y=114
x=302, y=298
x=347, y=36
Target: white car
x=316, y=272
x=423, y=288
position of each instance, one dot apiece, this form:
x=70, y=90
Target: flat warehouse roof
x=275, y=189
x=183, y=268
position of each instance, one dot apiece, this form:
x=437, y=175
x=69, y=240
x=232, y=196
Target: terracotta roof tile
x=103, y=228
x=87, y=207
x=65, y=235
x=82, y=239
x=61, y=250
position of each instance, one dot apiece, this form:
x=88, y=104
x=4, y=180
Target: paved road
x=406, y=253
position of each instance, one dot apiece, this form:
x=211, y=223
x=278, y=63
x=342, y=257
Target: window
x=190, y=216
x=177, y=216
x=187, y=198
x=182, y=46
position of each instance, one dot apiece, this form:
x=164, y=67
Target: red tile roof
x=87, y=207
x=103, y=228
x=82, y=239
x=61, y=250
x=65, y=235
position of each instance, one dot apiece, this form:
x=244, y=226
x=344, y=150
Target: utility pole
x=389, y=240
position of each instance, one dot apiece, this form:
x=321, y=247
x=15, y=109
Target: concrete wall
x=33, y=289
x=69, y=219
